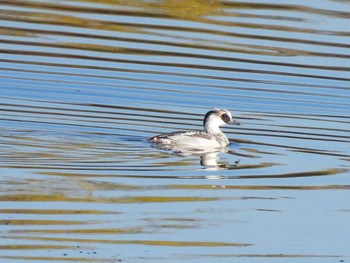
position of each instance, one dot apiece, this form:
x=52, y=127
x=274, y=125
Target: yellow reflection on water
x=195, y=10
x=30, y=247
x=58, y=259
x=81, y=231
x=133, y=199
x=55, y=211
x=141, y=242
x=40, y=222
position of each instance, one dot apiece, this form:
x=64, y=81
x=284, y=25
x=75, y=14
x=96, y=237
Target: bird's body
x=211, y=138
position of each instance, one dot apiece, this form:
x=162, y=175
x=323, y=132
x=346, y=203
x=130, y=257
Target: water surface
x=84, y=84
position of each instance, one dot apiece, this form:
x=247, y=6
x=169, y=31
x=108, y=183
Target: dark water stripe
x=138, y=79
x=317, y=173
x=286, y=7
x=204, y=21
x=160, y=243
x=107, y=116
x=63, y=258
x=77, y=124
x=136, y=26
x=168, y=73
x=155, y=8
x=312, y=98
x=278, y=50
x=272, y=51
x=56, y=212
x=77, y=150
x=179, y=115
x=292, y=148
x=82, y=9
x=146, y=6
x=111, y=117
x=178, y=65
x=112, y=111
x=247, y=132
x=269, y=256
x=148, y=52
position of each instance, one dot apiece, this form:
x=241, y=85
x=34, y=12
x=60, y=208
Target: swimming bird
x=211, y=138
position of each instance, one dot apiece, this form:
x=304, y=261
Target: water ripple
x=84, y=84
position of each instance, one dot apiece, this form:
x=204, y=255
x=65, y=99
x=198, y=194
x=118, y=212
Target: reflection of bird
x=212, y=138
x=210, y=159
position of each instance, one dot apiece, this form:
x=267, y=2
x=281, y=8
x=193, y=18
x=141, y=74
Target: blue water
x=84, y=84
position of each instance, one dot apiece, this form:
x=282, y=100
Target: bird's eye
x=225, y=118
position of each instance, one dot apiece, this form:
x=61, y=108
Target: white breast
x=195, y=140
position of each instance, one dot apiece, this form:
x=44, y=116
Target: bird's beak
x=234, y=122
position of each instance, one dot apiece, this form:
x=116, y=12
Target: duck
x=211, y=138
